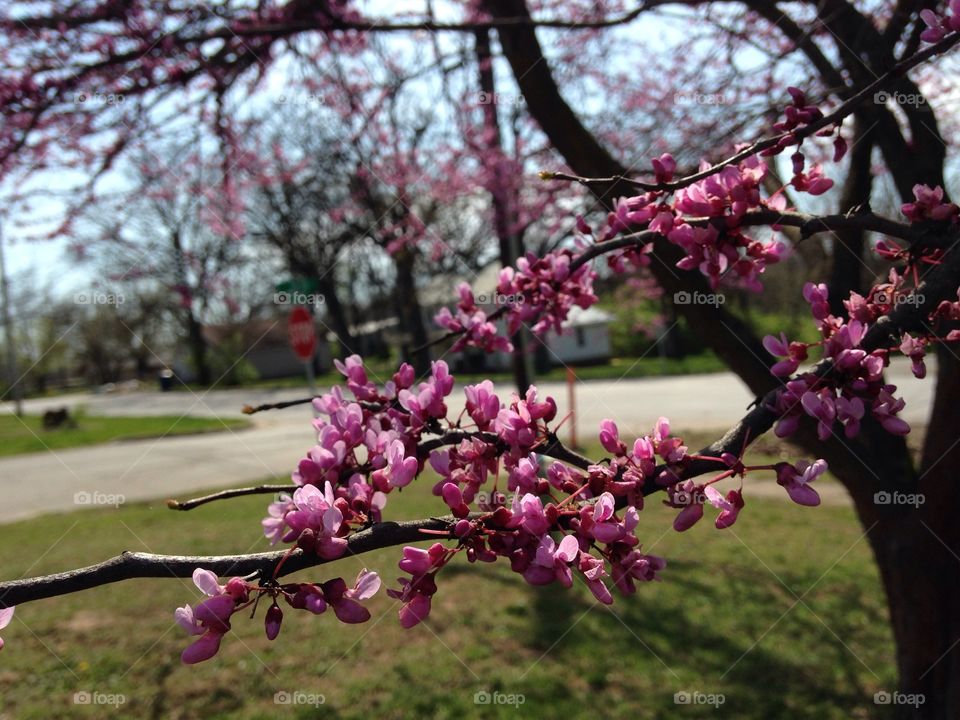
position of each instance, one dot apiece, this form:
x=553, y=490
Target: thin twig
x=224, y=494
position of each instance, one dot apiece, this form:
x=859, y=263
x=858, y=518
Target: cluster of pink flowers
x=367, y=447
x=473, y=324
x=522, y=534
x=540, y=291
x=929, y=205
x=718, y=249
x=210, y=618
x=854, y=383
x=543, y=290
x=938, y=27
x=595, y=540
x=559, y=520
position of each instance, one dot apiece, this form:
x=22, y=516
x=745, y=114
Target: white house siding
x=580, y=344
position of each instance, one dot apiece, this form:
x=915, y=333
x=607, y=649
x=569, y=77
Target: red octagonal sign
x=302, y=333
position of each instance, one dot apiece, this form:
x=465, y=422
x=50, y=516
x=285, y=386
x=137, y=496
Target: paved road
x=175, y=466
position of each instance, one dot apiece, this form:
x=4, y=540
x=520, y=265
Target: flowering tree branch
x=939, y=284
x=783, y=139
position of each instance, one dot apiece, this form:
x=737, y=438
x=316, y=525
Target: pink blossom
x=634, y=566
x=417, y=592
x=915, y=349
x=552, y=561
x=272, y=621
x=274, y=526
x=316, y=523
x=610, y=438
x=400, y=469
x=796, y=480
x=729, y=505
x=817, y=295
x=524, y=475
x=6, y=615
x=593, y=573
x=545, y=289
x=454, y=500
x=211, y=617
x=813, y=182
x=939, y=27
x=929, y=204
x=885, y=409
x=346, y=601
x=528, y=513
x=483, y=405
x=850, y=412
x=688, y=496
x=598, y=521
x=664, y=167
x=794, y=353
x=820, y=405
x=356, y=376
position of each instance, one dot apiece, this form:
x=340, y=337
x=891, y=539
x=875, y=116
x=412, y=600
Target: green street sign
x=301, y=285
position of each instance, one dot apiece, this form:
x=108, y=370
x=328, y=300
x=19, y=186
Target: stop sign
x=302, y=333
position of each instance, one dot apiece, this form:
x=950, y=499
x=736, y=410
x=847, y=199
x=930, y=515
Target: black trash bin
x=166, y=380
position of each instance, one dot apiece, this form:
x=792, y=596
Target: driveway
x=177, y=466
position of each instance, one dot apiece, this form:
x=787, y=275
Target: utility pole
x=11, y=362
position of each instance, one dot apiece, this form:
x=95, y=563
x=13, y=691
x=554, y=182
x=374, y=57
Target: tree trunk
x=511, y=244
x=336, y=314
x=198, y=349
x=410, y=313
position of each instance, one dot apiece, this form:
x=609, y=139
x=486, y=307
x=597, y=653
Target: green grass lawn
x=725, y=619
x=26, y=434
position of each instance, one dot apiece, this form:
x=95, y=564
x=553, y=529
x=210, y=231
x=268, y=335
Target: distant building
x=262, y=343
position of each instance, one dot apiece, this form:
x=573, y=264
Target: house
x=260, y=343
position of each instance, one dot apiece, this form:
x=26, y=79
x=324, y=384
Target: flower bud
x=272, y=621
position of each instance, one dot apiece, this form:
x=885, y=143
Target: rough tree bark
x=410, y=312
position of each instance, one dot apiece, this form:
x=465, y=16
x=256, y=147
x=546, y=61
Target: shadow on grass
x=678, y=649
